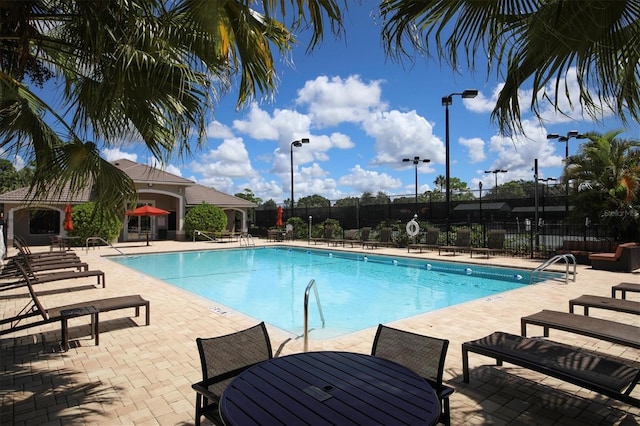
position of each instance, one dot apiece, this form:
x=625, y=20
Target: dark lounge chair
x=385, y=240
x=327, y=236
x=608, y=375
x=494, y=245
x=222, y=358
x=364, y=235
x=47, y=277
x=623, y=288
x=349, y=238
x=619, y=305
x=423, y=354
x=611, y=331
x=431, y=241
x=463, y=242
x=625, y=259
x=35, y=308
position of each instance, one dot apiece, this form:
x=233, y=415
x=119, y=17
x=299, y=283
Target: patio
x=143, y=375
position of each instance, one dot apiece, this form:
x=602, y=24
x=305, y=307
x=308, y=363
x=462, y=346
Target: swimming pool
x=356, y=291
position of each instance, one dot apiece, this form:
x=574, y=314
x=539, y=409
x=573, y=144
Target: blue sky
x=363, y=114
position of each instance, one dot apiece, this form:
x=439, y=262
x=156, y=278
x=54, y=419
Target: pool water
x=356, y=291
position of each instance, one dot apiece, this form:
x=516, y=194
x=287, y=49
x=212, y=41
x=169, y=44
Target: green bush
x=89, y=223
x=206, y=218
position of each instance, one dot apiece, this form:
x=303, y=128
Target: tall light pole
x=297, y=144
x=565, y=140
x=481, y=218
x=446, y=101
x=545, y=194
x=416, y=160
x=495, y=172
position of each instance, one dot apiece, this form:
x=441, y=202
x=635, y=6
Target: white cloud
x=367, y=180
x=113, y=154
x=476, y=149
x=230, y=160
x=218, y=130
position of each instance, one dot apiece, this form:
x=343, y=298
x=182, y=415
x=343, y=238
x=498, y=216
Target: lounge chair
x=42, y=277
x=35, y=308
x=24, y=249
x=611, y=331
x=625, y=259
x=423, y=354
x=494, y=245
x=608, y=375
x=364, y=235
x=385, y=240
x=327, y=236
x=623, y=288
x=222, y=358
x=619, y=305
x=463, y=242
x=349, y=238
x=431, y=241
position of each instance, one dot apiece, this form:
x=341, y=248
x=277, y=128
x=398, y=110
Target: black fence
x=531, y=230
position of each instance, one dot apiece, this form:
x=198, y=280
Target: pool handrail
x=93, y=239
x=311, y=284
x=568, y=259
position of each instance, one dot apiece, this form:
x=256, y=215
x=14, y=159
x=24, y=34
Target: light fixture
x=565, y=140
x=495, y=172
x=416, y=160
x=297, y=144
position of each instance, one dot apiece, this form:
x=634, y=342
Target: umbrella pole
x=148, y=232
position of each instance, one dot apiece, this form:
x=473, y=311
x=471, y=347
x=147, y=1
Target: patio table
x=329, y=388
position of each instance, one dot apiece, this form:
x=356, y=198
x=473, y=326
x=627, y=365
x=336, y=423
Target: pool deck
x=142, y=375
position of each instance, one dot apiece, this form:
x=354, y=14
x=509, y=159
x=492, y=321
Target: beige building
x=40, y=220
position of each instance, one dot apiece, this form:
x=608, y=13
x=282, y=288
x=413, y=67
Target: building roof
x=198, y=194
x=141, y=173
x=485, y=206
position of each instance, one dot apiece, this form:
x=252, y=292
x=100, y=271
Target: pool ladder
x=312, y=284
x=246, y=240
x=568, y=259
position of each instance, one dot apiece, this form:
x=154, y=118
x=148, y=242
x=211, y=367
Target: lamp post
x=565, y=140
x=481, y=221
x=545, y=194
x=416, y=160
x=446, y=101
x=297, y=144
x=495, y=172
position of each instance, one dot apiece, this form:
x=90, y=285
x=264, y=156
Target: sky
x=363, y=114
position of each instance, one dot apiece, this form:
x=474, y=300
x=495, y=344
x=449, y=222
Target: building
x=39, y=220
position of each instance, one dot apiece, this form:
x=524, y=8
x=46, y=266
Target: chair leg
x=445, y=417
x=198, y=405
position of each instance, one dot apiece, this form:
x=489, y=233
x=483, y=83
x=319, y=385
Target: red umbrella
x=147, y=210
x=68, y=220
x=279, y=216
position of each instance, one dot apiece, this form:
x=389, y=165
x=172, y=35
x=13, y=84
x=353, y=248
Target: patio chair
x=609, y=303
x=494, y=245
x=223, y=358
x=423, y=354
x=38, y=277
x=364, y=235
x=327, y=236
x=385, y=240
x=21, y=245
x=463, y=242
x=431, y=241
x=35, y=308
x=349, y=238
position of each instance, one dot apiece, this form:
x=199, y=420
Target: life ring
x=412, y=228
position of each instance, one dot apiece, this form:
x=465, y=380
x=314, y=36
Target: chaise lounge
x=618, y=305
x=625, y=259
x=463, y=242
x=431, y=241
x=608, y=375
x=495, y=244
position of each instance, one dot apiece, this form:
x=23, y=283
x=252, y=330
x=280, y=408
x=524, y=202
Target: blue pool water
x=356, y=291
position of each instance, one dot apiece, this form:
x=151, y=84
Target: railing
x=568, y=259
x=202, y=234
x=311, y=284
x=92, y=239
x=246, y=240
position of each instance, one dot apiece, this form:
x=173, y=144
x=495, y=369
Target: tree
x=88, y=222
x=204, y=217
x=11, y=179
x=605, y=175
x=314, y=201
x=142, y=70
x=249, y=196
x=532, y=42
x=347, y=201
x=270, y=204
x=440, y=181
x=459, y=190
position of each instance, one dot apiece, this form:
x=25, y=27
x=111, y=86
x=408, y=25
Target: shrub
x=206, y=218
x=88, y=222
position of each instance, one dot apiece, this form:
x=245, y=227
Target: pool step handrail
x=311, y=284
x=568, y=260
x=202, y=234
x=246, y=240
x=93, y=239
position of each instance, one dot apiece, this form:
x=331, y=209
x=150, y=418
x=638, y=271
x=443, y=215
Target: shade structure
x=279, y=216
x=68, y=219
x=147, y=210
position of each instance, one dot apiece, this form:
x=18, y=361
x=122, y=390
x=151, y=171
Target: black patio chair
x=423, y=354
x=222, y=359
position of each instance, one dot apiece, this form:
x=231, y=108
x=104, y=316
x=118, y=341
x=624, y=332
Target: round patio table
x=319, y=388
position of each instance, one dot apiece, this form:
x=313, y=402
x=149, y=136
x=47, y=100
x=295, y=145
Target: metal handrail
x=196, y=232
x=312, y=283
x=248, y=240
x=86, y=245
x=568, y=259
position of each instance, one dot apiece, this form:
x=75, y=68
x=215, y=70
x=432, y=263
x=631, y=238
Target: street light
x=565, y=140
x=446, y=101
x=481, y=218
x=416, y=160
x=296, y=144
x=495, y=172
x=545, y=194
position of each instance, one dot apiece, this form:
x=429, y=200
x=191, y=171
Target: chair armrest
x=202, y=390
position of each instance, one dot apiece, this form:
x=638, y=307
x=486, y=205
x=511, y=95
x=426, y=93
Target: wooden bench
x=623, y=288
x=606, y=374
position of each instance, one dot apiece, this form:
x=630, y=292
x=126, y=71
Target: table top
x=329, y=388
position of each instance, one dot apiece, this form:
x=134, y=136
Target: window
x=44, y=222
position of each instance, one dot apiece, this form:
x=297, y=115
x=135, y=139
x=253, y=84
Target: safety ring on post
x=413, y=228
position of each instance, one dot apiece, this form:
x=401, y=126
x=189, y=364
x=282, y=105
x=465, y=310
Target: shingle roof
x=22, y=194
x=197, y=194
x=141, y=173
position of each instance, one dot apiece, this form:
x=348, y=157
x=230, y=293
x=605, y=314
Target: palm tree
x=605, y=175
x=137, y=71
x=532, y=42
x=440, y=181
